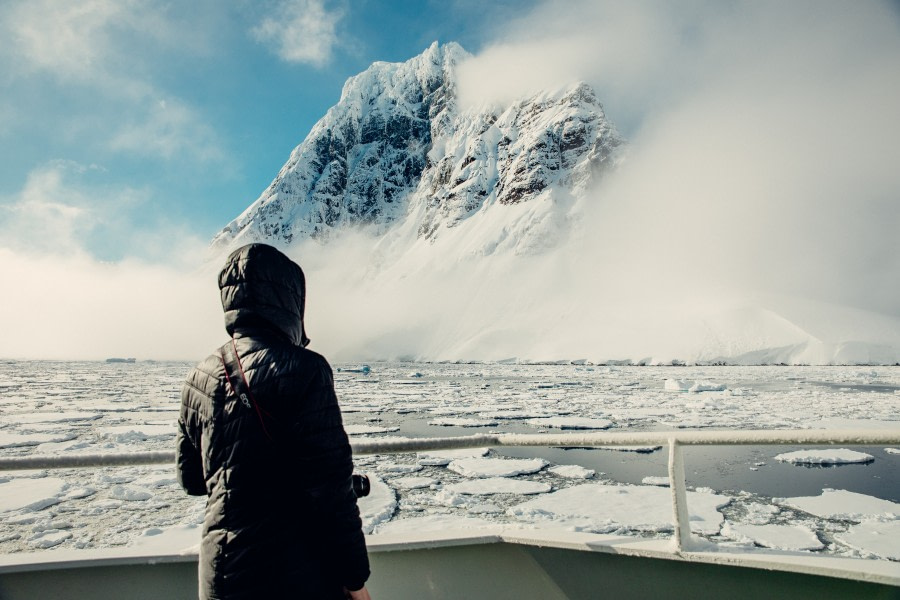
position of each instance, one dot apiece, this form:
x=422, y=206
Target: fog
x=61, y=302
x=758, y=206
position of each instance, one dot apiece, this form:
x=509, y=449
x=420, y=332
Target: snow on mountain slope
x=396, y=148
x=434, y=232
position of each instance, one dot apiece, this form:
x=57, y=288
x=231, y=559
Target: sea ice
x=602, y=508
x=655, y=480
x=854, y=424
x=638, y=449
x=687, y=385
x=15, y=440
x=496, y=485
x=572, y=471
x=892, y=450
x=52, y=417
x=570, y=423
x=432, y=523
x=496, y=467
x=784, y=537
x=841, y=504
x=399, y=468
x=182, y=538
x=707, y=386
x=413, y=483
x=30, y=494
x=129, y=493
x=440, y=458
x=366, y=429
x=137, y=432
x=49, y=538
x=461, y=422
x=378, y=506
x=841, y=456
x=677, y=385
x=881, y=539
x=759, y=514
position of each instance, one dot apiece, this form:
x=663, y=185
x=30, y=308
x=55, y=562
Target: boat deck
x=485, y=564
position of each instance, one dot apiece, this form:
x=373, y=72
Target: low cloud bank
x=756, y=210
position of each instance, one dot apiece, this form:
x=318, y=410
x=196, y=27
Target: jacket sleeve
x=325, y=457
x=187, y=459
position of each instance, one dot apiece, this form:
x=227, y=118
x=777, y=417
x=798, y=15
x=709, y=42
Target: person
x=281, y=517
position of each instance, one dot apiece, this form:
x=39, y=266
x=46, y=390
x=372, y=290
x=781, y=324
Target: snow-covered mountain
x=445, y=232
x=397, y=147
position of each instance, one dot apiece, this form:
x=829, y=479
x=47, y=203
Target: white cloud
x=168, y=129
x=62, y=302
x=110, y=48
x=68, y=209
x=300, y=31
x=763, y=138
x=68, y=39
x=76, y=307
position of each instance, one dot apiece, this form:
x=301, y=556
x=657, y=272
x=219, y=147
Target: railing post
x=682, y=531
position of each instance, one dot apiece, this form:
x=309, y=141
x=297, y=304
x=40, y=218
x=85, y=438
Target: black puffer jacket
x=281, y=517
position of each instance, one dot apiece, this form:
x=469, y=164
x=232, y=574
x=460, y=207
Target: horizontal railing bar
x=787, y=437
x=74, y=461
x=587, y=440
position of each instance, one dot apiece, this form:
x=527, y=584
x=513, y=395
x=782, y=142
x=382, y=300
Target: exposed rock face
x=396, y=147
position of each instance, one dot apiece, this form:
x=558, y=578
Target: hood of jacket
x=261, y=288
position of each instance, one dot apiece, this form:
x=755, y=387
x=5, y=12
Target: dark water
x=722, y=468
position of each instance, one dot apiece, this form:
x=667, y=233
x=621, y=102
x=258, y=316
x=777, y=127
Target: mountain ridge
x=397, y=139
x=459, y=235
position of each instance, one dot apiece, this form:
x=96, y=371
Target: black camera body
x=361, y=485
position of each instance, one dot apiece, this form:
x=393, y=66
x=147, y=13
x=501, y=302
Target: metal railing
x=675, y=441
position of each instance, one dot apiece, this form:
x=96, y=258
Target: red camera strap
x=237, y=380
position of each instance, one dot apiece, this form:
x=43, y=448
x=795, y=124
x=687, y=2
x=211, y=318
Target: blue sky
x=763, y=146
x=148, y=116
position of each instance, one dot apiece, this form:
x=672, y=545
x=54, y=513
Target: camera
x=361, y=485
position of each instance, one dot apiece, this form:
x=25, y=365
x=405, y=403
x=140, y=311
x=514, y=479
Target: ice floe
x=656, y=480
x=55, y=417
x=497, y=485
x=444, y=457
x=839, y=456
x=413, y=483
x=572, y=471
x=881, y=540
x=435, y=522
x=30, y=494
x=182, y=538
x=784, y=537
x=602, y=508
x=49, y=538
x=461, y=422
x=638, y=449
x=129, y=493
x=137, y=432
x=16, y=440
x=496, y=467
x=378, y=506
x=841, y=504
x=570, y=423
x=685, y=385
x=367, y=429
x=389, y=467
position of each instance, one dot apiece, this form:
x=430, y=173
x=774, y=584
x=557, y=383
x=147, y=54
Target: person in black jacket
x=273, y=460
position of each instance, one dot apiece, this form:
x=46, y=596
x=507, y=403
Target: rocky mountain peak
x=397, y=147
